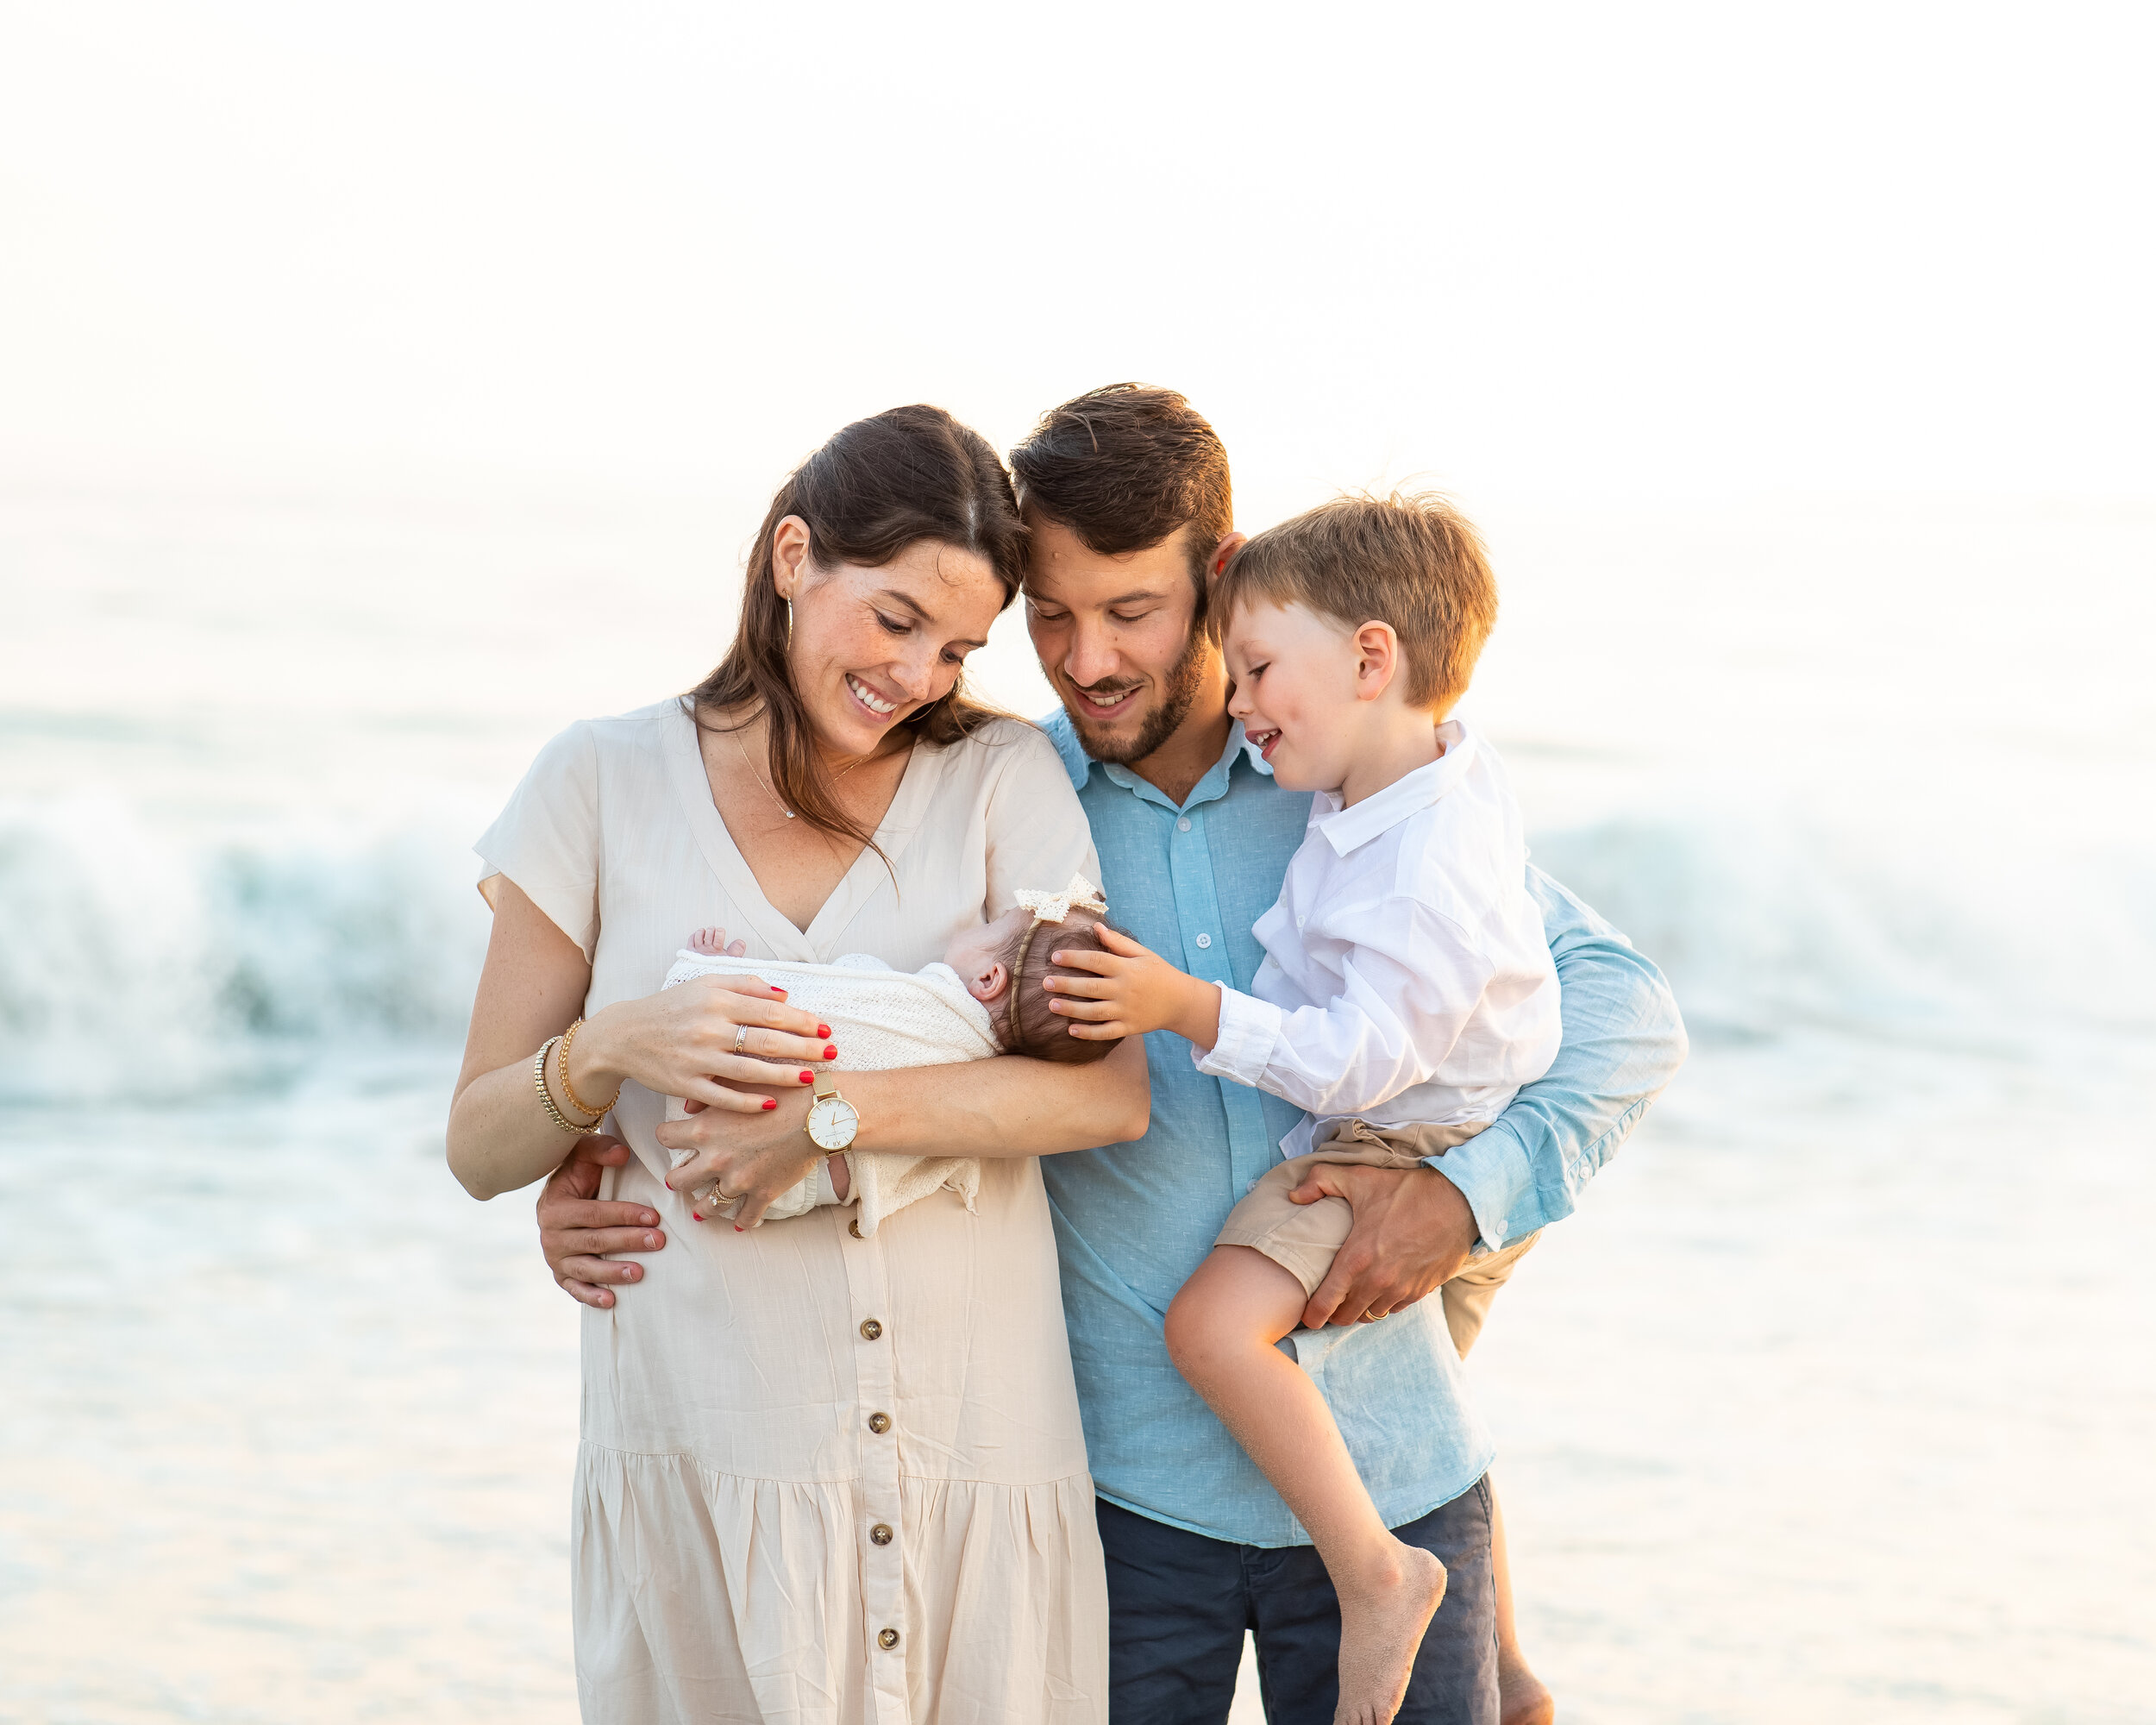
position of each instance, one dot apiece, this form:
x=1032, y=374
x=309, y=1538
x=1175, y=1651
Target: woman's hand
x=723, y=1041
x=753, y=1159
x=683, y=1041
x=1132, y=990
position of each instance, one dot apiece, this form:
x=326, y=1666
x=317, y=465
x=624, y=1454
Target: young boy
x=1406, y=993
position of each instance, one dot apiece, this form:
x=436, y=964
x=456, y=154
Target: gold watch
x=832, y=1121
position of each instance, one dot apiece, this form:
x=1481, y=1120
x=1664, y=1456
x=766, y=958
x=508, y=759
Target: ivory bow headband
x=1080, y=895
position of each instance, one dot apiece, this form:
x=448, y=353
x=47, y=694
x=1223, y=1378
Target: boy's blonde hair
x=1410, y=560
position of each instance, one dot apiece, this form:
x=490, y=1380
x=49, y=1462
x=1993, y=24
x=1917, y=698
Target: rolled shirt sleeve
x=1409, y=983
x=1623, y=1040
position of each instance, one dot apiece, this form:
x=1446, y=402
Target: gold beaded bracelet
x=546, y=1096
x=568, y=1089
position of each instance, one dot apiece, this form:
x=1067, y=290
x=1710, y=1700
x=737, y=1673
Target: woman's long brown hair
x=879, y=485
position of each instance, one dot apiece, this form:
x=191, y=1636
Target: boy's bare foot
x=1522, y=1698
x=1381, y=1627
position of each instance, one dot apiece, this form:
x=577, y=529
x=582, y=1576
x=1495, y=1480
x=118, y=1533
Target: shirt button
x=1204, y=941
x=879, y=1423
x=870, y=1329
x=879, y=1534
x=1183, y=825
x=887, y=1639
x=853, y=1228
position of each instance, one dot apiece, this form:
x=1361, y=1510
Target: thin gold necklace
x=770, y=791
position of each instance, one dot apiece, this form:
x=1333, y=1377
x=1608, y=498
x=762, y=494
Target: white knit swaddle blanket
x=881, y=1019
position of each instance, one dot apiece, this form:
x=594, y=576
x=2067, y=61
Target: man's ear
x=1377, y=659
x=1226, y=548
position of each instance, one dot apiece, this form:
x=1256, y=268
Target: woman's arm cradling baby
x=679, y=1043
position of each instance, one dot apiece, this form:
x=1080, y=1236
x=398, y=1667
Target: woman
x=823, y=1479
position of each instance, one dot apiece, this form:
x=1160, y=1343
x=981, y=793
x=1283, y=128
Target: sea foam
x=133, y=964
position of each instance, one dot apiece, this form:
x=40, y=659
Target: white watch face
x=833, y=1122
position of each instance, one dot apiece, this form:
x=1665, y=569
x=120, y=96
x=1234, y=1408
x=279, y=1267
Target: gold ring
x=719, y=1192
x=741, y=1039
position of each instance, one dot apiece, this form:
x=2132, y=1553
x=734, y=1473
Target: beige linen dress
x=822, y=1480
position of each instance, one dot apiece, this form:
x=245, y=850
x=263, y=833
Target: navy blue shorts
x=1179, y=1604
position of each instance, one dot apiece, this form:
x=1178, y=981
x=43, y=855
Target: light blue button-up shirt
x=1133, y=1221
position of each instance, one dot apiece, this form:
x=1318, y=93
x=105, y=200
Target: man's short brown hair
x=1123, y=466
x=1412, y=560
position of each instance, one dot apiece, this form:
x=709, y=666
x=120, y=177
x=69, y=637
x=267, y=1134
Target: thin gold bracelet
x=546, y=1096
x=568, y=1089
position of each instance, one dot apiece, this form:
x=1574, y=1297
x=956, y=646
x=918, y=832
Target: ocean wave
x=1769, y=924
x=134, y=962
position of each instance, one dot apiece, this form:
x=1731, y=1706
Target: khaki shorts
x=1301, y=1238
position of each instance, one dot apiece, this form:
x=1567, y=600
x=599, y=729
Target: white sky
x=1567, y=249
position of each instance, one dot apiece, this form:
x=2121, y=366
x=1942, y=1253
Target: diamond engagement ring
x=741, y=1039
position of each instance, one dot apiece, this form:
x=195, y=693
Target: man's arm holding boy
x=1623, y=1043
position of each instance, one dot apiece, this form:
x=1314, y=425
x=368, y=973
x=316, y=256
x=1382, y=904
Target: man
x=1127, y=492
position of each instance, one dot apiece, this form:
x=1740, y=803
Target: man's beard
x=1179, y=691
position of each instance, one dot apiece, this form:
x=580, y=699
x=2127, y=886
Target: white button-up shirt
x=1407, y=979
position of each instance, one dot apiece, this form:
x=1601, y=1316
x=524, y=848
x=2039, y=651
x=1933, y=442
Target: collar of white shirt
x=1348, y=829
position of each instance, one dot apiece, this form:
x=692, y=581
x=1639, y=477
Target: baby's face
x=977, y=955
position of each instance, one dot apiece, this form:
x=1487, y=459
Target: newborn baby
x=984, y=998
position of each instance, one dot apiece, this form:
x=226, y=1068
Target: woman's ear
x=1376, y=658
x=789, y=555
x=990, y=983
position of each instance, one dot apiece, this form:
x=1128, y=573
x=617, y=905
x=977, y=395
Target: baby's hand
x=1132, y=990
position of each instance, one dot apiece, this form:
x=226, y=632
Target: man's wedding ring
x=741, y=1039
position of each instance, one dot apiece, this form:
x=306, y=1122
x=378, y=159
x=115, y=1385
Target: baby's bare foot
x=1382, y=1621
x=710, y=942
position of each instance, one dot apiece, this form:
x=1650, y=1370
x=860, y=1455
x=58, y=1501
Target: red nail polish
x=823, y=1029
x=781, y=993
x=830, y=1053
x=694, y=1216
x=739, y=1229
x=808, y=1077
x=771, y=1101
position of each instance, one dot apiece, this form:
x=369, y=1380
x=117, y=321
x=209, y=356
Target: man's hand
x=574, y=1228
x=1412, y=1233
x=1132, y=990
